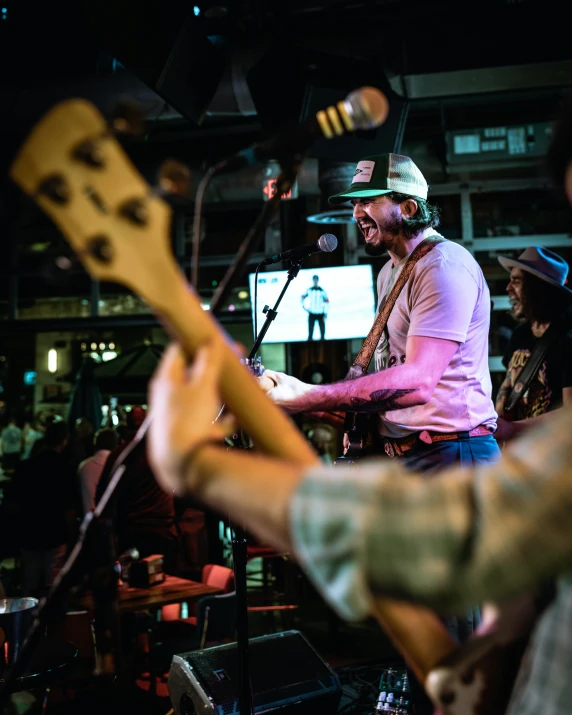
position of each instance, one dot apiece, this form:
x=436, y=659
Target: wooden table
x=172, y=590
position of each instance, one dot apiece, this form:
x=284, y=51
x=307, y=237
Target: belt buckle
x=388, y=449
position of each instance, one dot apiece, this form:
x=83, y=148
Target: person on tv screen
x=316, y=302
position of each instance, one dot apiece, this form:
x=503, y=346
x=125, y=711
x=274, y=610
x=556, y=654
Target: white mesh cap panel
x=405, y=178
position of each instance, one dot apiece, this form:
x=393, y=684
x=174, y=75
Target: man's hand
x=184, y=402
x=507, y=430
x=283, y=389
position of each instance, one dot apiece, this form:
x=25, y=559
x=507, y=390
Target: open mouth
x=368, y=230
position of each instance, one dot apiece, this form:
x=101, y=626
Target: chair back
x=220, y=576
x=216, y=618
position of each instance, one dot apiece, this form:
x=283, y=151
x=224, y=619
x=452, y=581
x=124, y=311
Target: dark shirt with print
x=545, y=389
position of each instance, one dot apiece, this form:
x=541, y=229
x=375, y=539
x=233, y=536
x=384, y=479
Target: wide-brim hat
x=383, y=174
x=542, y=263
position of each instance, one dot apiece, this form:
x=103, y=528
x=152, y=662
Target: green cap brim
x=357, y=194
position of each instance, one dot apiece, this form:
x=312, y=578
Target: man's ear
x=409, y=207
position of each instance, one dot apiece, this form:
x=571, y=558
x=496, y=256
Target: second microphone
x=325, y=244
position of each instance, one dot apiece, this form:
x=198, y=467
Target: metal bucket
x=16, y=615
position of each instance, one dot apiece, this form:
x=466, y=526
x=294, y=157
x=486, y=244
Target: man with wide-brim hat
x=540, y=299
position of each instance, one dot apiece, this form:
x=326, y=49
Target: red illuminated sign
x=269, y=190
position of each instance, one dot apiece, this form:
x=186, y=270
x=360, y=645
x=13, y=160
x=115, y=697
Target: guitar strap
x=539, y=351
x=354, y=424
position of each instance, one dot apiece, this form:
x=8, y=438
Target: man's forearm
x=391, y=389
x=252, y=489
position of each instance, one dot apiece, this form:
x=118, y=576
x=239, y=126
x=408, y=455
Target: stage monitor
x=335, y=303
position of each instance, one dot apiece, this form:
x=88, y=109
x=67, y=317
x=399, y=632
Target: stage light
x=52, y=360
x=197, y=10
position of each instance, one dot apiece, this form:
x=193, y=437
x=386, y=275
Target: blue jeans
x=465, y=451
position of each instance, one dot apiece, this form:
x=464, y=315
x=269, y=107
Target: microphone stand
x=271, y=313
x=239, y=542
x=284, y=183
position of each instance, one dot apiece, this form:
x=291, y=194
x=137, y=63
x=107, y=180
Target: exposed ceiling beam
x=484, y=80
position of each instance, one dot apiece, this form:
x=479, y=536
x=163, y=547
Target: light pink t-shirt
x=445, y=297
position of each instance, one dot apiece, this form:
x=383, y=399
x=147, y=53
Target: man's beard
x=375, y=251
x=393, y=226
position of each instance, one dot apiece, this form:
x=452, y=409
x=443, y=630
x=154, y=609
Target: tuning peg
x=99, y=247
x=90, y=152
x=127, y=119
x=174, y=178
x=136, y=211
x=55, y=188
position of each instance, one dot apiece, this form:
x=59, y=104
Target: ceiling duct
x=166, y=46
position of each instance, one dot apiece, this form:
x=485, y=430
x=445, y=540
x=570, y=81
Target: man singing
x=431, y=389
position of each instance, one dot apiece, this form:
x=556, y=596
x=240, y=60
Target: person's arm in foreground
x=449, y=542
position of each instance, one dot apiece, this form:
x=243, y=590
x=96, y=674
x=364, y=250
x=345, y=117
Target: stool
x=283, y=600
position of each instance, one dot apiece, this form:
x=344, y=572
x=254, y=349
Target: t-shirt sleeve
x=443, y=298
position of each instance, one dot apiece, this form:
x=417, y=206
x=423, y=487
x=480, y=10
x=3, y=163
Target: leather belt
x=398, y=447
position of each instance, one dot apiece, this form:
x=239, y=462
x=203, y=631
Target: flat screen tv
x=335, y=303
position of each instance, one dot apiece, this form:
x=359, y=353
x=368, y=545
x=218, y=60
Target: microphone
x=326, y=244
x=364, y=108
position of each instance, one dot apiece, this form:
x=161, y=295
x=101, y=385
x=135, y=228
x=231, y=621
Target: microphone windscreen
x=328, y=242
x=368, y=107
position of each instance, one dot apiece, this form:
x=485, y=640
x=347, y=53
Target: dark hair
x=56, y=434
x=541, y=301
x=106, y=438
x=317, y=277
x=426, y=216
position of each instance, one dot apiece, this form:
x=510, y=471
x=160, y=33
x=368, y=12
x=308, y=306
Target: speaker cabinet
x=285, y=671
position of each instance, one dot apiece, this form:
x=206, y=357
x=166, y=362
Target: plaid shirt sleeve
x=447, y=542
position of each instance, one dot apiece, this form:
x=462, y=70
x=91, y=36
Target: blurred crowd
x=52, y=475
